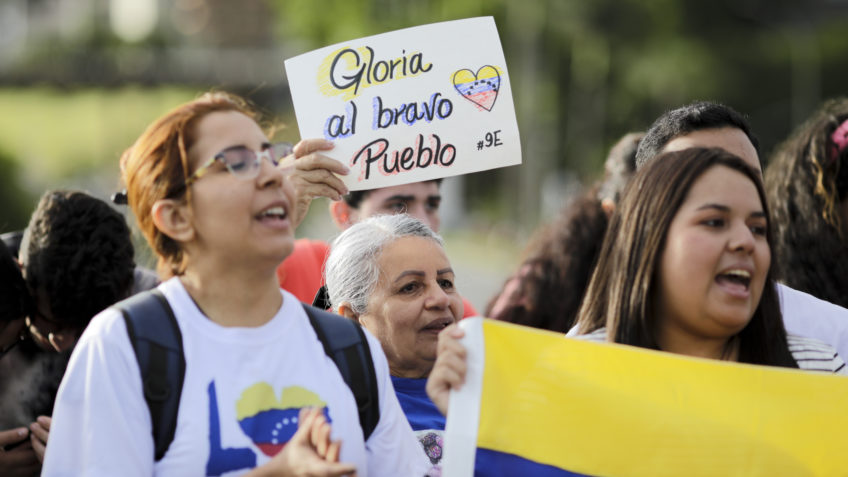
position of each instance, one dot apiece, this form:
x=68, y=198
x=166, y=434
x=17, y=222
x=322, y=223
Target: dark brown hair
x=156, y=167
x=697, y=116
x=77, y=256
x=806, y=181
x=562, y=255
x=622, y=291
x=354, y=199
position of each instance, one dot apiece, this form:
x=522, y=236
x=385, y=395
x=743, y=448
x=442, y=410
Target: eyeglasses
x=243, y=162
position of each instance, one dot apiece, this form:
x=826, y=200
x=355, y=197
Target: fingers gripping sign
x=450, y=368
x=314, y=175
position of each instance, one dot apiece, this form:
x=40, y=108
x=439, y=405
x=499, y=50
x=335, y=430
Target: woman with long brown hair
x=686, y=267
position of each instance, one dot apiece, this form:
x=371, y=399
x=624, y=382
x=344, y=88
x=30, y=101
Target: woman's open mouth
x=275, y=216
x=736, y=281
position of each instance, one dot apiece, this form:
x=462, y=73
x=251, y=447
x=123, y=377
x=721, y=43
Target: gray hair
x=351, y=271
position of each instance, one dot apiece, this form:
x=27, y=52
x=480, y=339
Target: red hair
x=156, y=166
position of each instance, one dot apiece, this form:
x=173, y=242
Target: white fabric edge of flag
x=463, y=417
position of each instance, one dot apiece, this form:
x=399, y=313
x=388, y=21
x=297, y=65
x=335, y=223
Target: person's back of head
x=697, y=116
x=77, y=257
x=619, y=167
x=807, y=186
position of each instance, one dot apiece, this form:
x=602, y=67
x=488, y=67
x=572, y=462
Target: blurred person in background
x=314, y=176
x=390, y=273
x=15, y=304
x=807, y=186
x=547, y=289
x=17, y=454
x=77, y=259
x=75, y=254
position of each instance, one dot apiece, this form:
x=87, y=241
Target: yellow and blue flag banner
x=538, y=404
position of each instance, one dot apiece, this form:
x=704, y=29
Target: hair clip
x=120, y=198
x=839, y=139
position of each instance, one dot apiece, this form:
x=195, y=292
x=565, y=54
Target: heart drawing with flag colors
x=270, y=422
x=480, y=88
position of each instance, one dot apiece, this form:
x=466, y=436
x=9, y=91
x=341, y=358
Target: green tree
x=584, y=72
x=15, y=202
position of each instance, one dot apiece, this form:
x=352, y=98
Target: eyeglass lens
x=241, y=160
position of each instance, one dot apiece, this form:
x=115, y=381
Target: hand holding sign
x=313, y=174
x=405, y=107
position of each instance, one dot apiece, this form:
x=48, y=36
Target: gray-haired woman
x=391, y=274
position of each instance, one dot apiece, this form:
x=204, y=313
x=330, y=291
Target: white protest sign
x=410, y=105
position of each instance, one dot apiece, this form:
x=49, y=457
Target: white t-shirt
x=806, y=315
x=241, y=395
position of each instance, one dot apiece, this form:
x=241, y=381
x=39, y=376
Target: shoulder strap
x=345, y=343
x=158, y=345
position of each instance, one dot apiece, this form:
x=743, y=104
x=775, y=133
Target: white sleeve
x=101, y=425
x=806, y=315
x=392, y=448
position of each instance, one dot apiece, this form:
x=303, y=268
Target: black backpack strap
x=345, y=343
x=158, y=345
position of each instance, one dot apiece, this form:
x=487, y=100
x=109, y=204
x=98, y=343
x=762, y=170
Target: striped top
x=810, y=353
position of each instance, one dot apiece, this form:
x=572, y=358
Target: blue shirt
x=420, y=411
